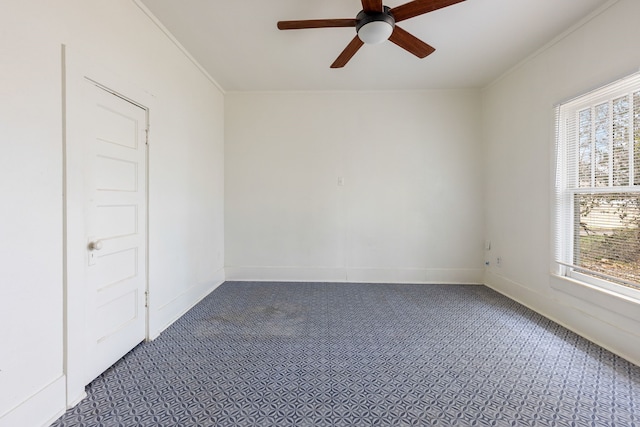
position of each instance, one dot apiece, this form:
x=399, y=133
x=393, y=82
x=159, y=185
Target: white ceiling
x=476, y=41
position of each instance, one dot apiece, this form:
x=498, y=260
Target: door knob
x=95, y=246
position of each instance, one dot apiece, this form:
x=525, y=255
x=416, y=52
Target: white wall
x=518, y=133
x=409, y=210
x=410, y=207
x=185, y=182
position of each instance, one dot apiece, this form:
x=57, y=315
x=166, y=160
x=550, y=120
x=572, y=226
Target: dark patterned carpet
x=329, y=354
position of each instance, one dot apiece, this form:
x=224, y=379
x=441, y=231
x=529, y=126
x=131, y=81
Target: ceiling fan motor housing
x=375, y=27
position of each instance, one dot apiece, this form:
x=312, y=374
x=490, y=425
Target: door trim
x=77, y=69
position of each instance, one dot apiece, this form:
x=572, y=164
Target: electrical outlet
x=499, y=261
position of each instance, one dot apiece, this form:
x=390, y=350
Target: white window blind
x=598, y=185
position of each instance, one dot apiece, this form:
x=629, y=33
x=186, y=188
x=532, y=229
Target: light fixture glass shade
x=375, y=32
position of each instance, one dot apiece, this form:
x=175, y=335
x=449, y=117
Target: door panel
x=116, y=174
x=115, y=206
x=117, y=311
x=117, y=127
x=115, y=267
x=116, y=221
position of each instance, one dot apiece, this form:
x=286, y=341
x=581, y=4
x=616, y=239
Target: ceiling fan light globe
x=375, y=32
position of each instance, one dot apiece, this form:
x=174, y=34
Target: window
x=598, y=187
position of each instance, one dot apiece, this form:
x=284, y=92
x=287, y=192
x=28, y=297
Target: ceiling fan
x=375, y=24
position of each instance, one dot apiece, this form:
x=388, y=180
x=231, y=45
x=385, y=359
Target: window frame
x=564, y=202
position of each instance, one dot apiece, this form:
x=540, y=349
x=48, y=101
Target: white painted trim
x=175, y=41
x=416, y=275
x=285, y=274
x=613, y=302
x=71, y=402
x=354, y=275
x=76, y=69
x=40, y=409
x=604, y=333
x=354, y=91
x=169, y=312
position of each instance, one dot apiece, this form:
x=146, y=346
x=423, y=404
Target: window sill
x=623, y=302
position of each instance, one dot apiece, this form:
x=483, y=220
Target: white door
x=115, y=193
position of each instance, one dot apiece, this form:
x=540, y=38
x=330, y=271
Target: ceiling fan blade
x=316, y=23
x=410, y=43
x=347, y=53
x=420, y=7
x=372, y=5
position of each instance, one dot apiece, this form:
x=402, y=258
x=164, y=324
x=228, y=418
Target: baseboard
x=285, y=274
x=169, y=312
x=74, y=400
x=355, y=275
x=41, y=409
x=605, y=334
x=416, y=275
